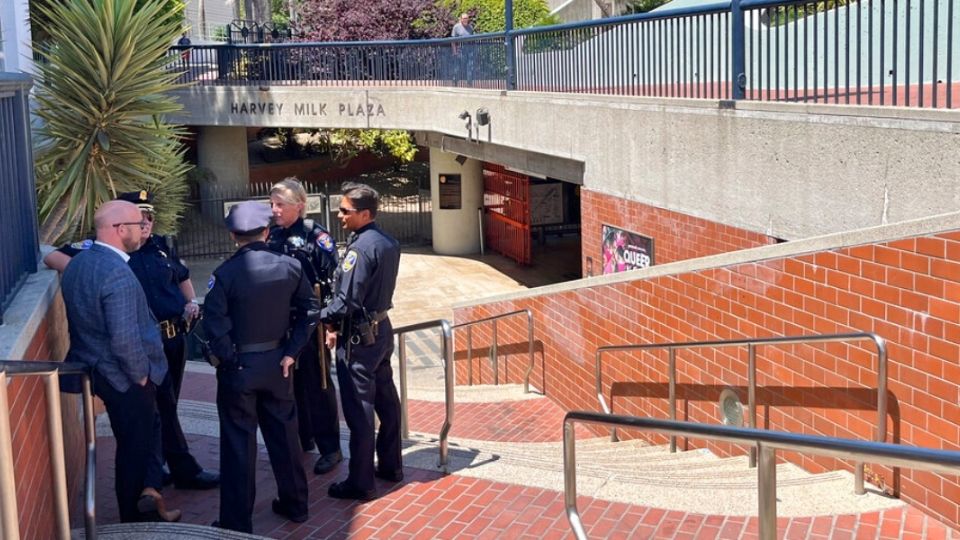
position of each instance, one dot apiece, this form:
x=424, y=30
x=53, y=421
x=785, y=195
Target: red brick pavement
x=430, y=505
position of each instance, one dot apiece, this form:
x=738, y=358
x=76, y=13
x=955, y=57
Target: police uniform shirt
x=367, y=276
x=249, y=302
x=71, y=250
x=310, y=244
x=160, y=273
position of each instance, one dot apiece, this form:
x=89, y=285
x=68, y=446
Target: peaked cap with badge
x=143, y=199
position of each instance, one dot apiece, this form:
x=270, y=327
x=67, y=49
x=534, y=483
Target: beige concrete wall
x=787, y=170
x=223, y=150
x=456, y=231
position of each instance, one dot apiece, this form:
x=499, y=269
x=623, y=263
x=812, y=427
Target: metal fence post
x=738, y=51
x=510, y=40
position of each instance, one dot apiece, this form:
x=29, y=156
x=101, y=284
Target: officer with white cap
x=247, y=320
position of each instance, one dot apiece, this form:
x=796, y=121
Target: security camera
x=464, y=115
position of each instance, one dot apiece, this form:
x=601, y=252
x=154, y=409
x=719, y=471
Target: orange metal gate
x=506, y=212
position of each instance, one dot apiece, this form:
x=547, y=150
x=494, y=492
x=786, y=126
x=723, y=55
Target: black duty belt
x=263, y=346
x=170, y=328
x=379, y=316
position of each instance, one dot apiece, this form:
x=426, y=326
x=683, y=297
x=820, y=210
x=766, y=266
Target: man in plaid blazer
x=113, y=332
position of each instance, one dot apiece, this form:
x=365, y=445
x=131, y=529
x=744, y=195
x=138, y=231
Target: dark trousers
x=366, y=387
x=175, y=451
x=133, y=420
x=317, y=413
x=254, y=393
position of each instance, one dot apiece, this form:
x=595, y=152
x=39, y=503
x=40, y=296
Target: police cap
x=248, y=218
x=143, y=199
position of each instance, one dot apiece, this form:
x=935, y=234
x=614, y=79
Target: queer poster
x=624, y=250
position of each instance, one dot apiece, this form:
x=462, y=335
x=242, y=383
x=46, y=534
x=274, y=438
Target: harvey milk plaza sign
x=307, y=108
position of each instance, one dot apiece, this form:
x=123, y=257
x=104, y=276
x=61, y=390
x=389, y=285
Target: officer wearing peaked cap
x=166, y=282
x=247, y=320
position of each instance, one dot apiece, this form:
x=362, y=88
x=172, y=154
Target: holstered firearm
x=321, y=342
x=198, y=332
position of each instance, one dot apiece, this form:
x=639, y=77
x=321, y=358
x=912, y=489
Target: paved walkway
x=428, y=504
x=464, y=504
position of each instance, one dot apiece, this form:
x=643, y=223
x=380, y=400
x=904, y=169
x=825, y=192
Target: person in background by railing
x=358, y=324
x=463, y=53
x=184, y=41
x=113, y=332
x=253, y=342
x=311, y=244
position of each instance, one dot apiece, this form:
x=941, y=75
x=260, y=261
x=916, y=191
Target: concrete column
x=223, y=150
x=15, y=52
x=456, y=231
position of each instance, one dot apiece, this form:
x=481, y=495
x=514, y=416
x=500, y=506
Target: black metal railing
x=872, y=52
x=18, y=202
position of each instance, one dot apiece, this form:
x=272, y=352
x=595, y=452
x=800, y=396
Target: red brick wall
x=676, y=236
x=28, y=421
x=907, y=291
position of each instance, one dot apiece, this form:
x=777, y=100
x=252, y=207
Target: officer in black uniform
x=363, y=293
x=166, y=282
x=309, y=243
x=251, y=342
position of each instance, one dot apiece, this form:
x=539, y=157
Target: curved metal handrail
x=446, y=344
x=50, y=371
x=751, y=344
x=766, y=441
x=493, y=347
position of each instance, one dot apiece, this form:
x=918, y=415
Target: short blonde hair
x=291, y=191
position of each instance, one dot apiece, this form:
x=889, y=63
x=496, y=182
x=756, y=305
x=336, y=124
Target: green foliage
x=488, y=15
x=643, y=6
x=102, y=94
x=345, y=144
x=39, y=21
x=785, y=14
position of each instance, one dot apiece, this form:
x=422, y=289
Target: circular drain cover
x=731, y=410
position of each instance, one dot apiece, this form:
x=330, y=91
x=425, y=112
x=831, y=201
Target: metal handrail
x=752, y=377
x=766, y=442
x=446, y=344
x=494, y=354
x=50, y=371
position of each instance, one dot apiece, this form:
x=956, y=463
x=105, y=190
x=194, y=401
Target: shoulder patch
x=325, y=241
x=82, y=245
x=349, y=261
x=211, y=282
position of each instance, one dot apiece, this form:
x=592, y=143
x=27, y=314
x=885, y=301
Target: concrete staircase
x=695, y=481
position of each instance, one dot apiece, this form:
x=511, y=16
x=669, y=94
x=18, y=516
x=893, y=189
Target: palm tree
x=103, y=90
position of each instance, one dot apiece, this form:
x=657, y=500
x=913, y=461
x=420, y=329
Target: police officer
x=363, y=293
x=166, y=282
x=309, y=243
x=251, y=342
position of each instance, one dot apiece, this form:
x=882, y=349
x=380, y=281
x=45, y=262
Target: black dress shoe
x=328, y=463
x=281, y=509
x=203, y=480
x=343, y=490
x=391, y=476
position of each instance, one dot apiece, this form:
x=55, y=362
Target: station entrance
x=533, y=221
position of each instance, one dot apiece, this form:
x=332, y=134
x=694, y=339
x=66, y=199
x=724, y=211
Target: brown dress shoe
x=153, y=508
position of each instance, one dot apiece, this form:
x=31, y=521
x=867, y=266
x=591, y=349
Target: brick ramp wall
x=676, y=236
x=28, y=420
x=907, y=291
